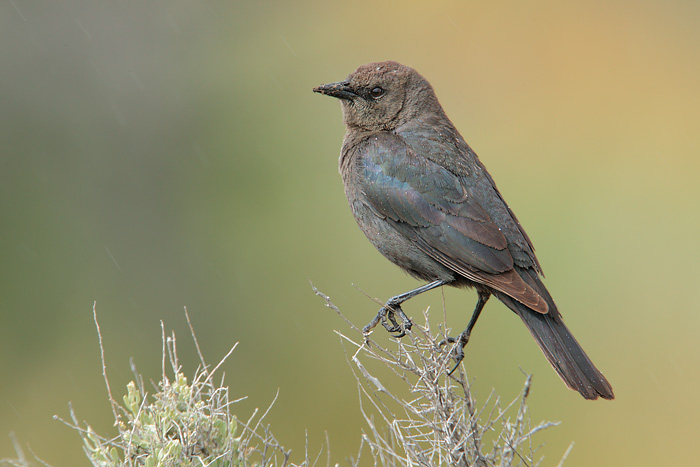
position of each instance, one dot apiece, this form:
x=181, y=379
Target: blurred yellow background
x=162, y=154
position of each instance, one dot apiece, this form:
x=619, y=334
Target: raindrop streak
x=173, y=24
x=82, y=28
x=449, y=18
x=274, y=80
x=290, y=47
x=653, y=378
x=137, y=80
x=113, y=260
x=20, y=13
x=200, y=154
x=118, y=113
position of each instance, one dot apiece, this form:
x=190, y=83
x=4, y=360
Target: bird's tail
x=561, y=348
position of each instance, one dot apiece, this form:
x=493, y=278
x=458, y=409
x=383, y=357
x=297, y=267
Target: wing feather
x=430, y=205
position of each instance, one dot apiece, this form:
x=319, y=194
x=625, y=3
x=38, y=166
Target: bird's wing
x=430, y=205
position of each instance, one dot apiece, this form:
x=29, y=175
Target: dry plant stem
x=196, y=343
x=185, y=422
x=434, y=419
x=112, y=403
x=415, y=414
x=566, y=454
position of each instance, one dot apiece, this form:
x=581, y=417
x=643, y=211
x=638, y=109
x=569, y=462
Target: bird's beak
x=341, y=90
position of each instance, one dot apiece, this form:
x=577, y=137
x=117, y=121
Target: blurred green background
x=170, y=153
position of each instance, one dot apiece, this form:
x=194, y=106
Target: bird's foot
x=387, y=316
x=458, y=349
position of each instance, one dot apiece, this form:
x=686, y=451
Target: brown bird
x=426, y=202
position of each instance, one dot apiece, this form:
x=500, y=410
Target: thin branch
x=566, y=454
x=196, y=343
x=440, y=424
x=112, y=402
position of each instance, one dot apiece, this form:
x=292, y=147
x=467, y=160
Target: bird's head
x=382, y=96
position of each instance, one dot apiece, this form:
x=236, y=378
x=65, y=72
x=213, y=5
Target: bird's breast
x=396, y=247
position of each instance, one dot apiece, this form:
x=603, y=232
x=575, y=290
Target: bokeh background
x=162, y=154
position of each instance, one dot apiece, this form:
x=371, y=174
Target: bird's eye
x=377, y=92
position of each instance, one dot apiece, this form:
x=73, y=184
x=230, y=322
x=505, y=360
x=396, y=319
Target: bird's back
x=437, y=139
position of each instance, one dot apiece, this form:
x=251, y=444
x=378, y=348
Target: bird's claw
x=387, y=317
x=390, y=315
x=458, y=350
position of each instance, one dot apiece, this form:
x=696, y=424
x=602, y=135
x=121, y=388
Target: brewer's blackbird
x=426, y=202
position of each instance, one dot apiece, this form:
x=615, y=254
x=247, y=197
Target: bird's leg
x=464, y=337
x=393, y=308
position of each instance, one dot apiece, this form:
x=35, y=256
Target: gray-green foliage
x=179, y=424
x=176, y=426
x=418, y=417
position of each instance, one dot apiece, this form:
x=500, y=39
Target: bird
x=423, y=198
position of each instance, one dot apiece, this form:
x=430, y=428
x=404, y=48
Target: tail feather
x=558, y=344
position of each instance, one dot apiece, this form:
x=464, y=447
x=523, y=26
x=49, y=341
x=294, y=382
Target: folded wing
x=432, y=207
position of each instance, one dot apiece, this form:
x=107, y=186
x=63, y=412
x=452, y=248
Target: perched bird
x=426, y=202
